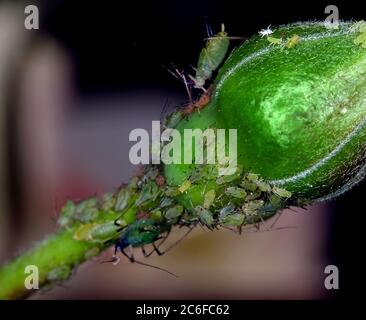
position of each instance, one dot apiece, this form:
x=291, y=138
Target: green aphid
x=236, y=192
x=282, y=192
x=229, y=209
x=235, y=219
x=253, y=195
x=174, y=213
x=264, y=187
x=211, y=57
x=249, y=185
x=255, y=204
x=361, y=40
x=275, y=200
x=108, y=202
x=67, y=213
x=251, y=208
x=140, y=233
x=359, y=26
x=274, y=41
x=122, y=199
x=205, y=216
x=105, y=231
x=209, y=199
x=151, y=174
x=171, y=191
x=207, y=172
x=87, y=215
x=166, y=202
x=156, y=215
x=252, y=177
x=88, y=203
x=59, y=274
x=293, y=41
x=83, y=232
x=149, y=194
x=185, y=186
x=124, y=195
x=225, y=179
x=268, y=210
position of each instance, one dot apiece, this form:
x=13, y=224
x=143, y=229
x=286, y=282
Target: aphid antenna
x=230, y=38
x=155, y=267
x=181, y=77
x=263, y=223
x=132, y=260
x=164, y=110
x=208, y=28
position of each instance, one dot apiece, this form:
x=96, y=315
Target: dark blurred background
x=71, y=92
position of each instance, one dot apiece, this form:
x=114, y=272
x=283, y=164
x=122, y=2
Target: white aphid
x=266, y=32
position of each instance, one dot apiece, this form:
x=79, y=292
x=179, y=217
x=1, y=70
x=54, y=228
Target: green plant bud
x=300, y=112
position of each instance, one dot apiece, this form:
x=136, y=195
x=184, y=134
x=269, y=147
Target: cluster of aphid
x=144, y=211
x=237, y=200
x=282, y=41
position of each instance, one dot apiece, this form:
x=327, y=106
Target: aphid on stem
x=210, y=58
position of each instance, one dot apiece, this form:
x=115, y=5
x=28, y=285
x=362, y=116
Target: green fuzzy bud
x=300, y=112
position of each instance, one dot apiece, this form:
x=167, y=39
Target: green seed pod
x=300, y=112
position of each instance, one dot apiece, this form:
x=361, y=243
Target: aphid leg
x=156, y=249
x=178, y=241
x=132, y=260
x=181, y=77
x=276, y=220
x=188, y=89
x=146, y=255
x=164, y=111
x=116, y=223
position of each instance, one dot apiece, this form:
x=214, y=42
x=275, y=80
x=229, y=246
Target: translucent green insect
x=209, y=199
x=293, y=41
x=274, y=41
x=282, y=192
x=210, y=58
x=359, y=26
x=185, y=186
x=361, y=40
x=235, y=219
x=87, y=211
x=205, y=216
x=173, y=213
x=105, y=231
x=149, y=194
x=236, y=192
x=67, y=213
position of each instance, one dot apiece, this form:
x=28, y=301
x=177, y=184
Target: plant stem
x=57, y=253
x=90, y=226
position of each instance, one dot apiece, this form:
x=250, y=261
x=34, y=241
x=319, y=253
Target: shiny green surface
x=299, y=112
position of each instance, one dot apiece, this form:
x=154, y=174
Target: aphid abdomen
x=211, y=57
